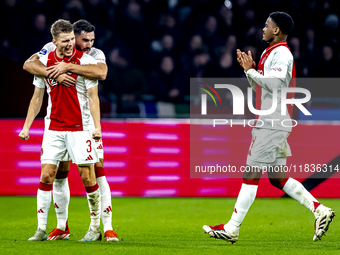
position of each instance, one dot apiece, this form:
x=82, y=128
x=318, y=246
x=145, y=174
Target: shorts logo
x=89, y=158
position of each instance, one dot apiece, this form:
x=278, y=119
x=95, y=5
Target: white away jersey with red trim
x=97, y=54
x=68, y=107
x=275, y=70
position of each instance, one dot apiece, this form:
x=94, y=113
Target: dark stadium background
x=153, y=48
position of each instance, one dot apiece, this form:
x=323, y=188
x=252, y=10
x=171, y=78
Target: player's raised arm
x=95, y=111
x=94, y=71
x=33, y=110
x=268, y=82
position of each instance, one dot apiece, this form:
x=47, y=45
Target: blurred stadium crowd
x=153, y=47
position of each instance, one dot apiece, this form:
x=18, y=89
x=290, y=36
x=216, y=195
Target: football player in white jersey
x=85, y=36
x=269, y=147
x=72, y=124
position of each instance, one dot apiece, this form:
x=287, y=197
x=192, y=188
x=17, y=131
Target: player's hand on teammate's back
x=66, y=80
x=24, y=134
x=97, y=134
x=55, y=70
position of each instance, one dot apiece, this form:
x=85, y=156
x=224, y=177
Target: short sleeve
x=87, y=60
x=98, y=55
x=39, y=82
x=90, y=83
x=44, y=59
x=46, y=49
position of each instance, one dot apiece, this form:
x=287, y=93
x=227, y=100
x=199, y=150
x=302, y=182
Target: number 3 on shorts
x=89, y=149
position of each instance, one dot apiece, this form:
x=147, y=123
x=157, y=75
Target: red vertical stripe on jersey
x=65, y=111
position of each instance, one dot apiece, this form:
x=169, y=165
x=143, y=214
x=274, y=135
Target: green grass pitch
x=172, y=226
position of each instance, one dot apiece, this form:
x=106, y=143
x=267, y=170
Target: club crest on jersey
x=51, y=82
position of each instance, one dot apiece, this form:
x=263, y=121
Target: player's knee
x=47, y=177
x=87, y=179
x=98, y=164
x=276, y=182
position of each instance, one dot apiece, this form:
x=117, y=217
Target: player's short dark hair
x=83, y=25
x=61, y=26
x=283, y=20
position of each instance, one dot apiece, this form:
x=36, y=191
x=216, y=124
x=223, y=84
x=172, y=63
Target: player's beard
x=267, y=42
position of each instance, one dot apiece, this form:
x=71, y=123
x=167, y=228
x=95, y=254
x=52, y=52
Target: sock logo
x=56, y=206
x=235, y=210
x=316, y=205
x=93, y=214
x=40, y=211
x=108, y=209
x=89, y=158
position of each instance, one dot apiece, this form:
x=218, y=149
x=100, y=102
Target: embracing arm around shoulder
x=92, y=71
x=34, y=66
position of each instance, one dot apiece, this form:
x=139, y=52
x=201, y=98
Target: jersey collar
x=67, y=59
x=282, y=43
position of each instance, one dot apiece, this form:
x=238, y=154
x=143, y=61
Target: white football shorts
x=76, y=145
x=98, y=145
x=268, y=147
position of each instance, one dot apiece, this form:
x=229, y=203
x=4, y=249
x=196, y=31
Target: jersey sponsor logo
x=43, y=52
x=276, y=69
x=51, y=82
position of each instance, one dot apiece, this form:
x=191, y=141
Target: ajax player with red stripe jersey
x=72, y=124
x=85, y=36
x=269, y=148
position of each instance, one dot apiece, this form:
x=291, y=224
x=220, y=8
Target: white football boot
x=324, y=217
x=219, y=232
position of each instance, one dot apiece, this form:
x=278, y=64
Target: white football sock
x=245, y=199
x=61, y=199
x=43, y=203
x=93, y=199
x=297, y=191
x=106, y=206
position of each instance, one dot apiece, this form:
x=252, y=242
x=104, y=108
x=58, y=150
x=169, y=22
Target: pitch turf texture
x=172, y=226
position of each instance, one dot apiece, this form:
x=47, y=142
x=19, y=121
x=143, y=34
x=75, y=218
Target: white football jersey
x=68, y=107
x=97, y=54
x=275, y=70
